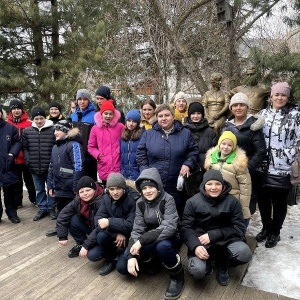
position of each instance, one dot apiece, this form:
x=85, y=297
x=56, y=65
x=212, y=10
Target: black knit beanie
x=15, y=104
x=148, y=182
x=196, y=107
x=38, y=111
x=55, y=104
x=86, y=181
x=213, y=175
x=103, y=91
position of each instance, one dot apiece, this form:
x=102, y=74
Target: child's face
x=86, y=194
x=131, y=125
x=39, y=121
x=213, y=188
x=107, y=116
x=116, y=192
x=149, y=192
x=196, y=117
x=54, y=112
x=226, y=146
x=59, y=135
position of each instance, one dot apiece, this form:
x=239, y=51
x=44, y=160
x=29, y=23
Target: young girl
x=131, y=137
x=233, y=164
x=213, y=229
x=104, y=140
x=148, y=117
x=154, y=233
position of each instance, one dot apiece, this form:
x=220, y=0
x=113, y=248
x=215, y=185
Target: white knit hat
x=239, y=98
x=179, y=95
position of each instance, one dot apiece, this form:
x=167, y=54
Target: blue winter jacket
x=167, y=153
x=10, y=142
x=129, y=166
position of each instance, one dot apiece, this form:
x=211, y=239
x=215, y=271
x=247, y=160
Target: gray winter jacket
x=154, y=220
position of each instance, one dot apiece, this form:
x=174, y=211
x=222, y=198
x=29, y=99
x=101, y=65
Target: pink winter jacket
x=104, y=144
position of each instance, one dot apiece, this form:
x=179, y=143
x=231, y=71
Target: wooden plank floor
x=33, y=266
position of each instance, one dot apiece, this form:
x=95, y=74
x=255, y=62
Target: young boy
x=66, y=166
x=213, y=229
x=114, y=221
x=78, y=216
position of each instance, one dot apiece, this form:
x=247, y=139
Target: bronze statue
x=258, y=94
x=216, y=103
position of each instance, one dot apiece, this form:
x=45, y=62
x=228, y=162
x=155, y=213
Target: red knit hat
x=107, y=105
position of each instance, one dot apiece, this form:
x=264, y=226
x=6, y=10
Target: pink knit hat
x=281, y=88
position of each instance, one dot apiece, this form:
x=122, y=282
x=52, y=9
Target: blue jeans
x=105, y=247
x=166, y=251
x=43, y=199
x=78, y=229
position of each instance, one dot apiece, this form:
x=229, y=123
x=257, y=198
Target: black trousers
x=272, y=203
x=24, y=174
x=9, y=193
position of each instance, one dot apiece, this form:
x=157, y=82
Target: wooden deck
x=33, y=266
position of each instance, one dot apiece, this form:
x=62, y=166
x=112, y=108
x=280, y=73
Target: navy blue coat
x=10, y=142
x=66, y=167
x=167, y=153
x=129, y=166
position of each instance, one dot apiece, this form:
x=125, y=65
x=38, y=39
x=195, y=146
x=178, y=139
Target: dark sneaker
x=223, y=276
x=272, y=241
x=51, y=232
x=53, y=214
x=262, y=236
x=40, y=215
x=74, y=252
x=14, y=219
x=108, y=267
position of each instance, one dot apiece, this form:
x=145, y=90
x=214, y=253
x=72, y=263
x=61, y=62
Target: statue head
x=252, y=76
x=216, y=79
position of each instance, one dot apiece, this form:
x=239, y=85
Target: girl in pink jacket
x=104, y=140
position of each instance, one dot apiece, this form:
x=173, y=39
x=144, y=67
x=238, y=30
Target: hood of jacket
x=152, y=174
x=253, y=122
x=215, y=200
x=47, y=124
x=100, y=123
x=24, y=117
x=240, y=161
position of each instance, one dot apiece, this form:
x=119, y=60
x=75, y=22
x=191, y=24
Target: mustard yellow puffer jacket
x=236, y=173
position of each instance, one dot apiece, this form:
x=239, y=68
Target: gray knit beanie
x=116, y=180
x=239, y=98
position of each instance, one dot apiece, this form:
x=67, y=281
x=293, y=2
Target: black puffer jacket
x=37, y=147
x=205, y=136
x=9, y=143
x=250, y=137
x=73, y=208
x=220, y=217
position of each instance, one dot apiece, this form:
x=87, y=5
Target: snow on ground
x=277, y=270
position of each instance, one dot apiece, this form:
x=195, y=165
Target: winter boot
x=176, y=284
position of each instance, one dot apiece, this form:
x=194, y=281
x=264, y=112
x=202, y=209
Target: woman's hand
x=185, y=171
x=201, y=252
x=133, y=266
x=204, y=239
x=135, y=249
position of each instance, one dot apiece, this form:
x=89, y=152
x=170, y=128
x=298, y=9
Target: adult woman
x=181, y=107
x=55, y=112
x=170, y=148
x=130, y=139
x=154, y=233
x=216, y=103
x=248, y=131
x=282, y=134
x=148, y=108
x=213, y=229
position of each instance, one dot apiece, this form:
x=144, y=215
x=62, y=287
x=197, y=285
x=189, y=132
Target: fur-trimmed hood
x=100, y=123
x=240, y=161
x=254, y=122
x=73, y=133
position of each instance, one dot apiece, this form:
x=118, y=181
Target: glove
x=180, y=182
x=9, y=162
